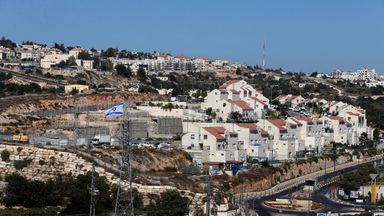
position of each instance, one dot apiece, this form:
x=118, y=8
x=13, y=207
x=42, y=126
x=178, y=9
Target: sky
x=300, y=35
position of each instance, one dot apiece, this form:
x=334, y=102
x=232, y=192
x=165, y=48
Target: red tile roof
x=230, y=82
x=354, y=114
x=279, y=123
x=260, y=101
x=297, y=121
x=217, y=132
x=339, y=118
x=240, y=103
x=249, y=126
x=253, y=127
x=304, y=118
x=182, y=57
x=264, y=133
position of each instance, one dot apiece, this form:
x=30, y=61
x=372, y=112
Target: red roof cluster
x=251, y=126
x=279, y=123
x=230, y=82
x=240, y=103
x=217, y=132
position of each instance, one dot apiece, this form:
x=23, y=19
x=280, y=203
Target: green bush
x=28, y=212
x=5, y=155
x=20, y=164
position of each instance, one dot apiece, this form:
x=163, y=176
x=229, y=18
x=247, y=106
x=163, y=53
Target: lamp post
x=271, y=86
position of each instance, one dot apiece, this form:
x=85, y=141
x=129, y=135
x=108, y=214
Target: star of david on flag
x=115, y=110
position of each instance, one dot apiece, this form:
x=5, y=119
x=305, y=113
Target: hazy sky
x=301, y=35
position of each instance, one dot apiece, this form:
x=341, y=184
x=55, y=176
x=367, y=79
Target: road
x=33, y=78
x=315, y=175
x=317, y=196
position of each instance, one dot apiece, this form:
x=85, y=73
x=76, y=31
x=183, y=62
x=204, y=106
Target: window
x=192, y=136
x=224, y=104
x=205, y=136
x=233, y=135
x=222, y=154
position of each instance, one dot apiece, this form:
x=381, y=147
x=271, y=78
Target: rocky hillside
x=23, y=104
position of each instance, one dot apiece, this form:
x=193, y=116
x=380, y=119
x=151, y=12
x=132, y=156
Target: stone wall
x=295, y=170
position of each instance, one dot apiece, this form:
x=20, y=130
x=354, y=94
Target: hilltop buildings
x=225, y=144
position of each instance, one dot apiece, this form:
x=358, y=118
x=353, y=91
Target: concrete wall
x=169, y=125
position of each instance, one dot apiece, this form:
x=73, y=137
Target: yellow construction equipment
x=20, y=138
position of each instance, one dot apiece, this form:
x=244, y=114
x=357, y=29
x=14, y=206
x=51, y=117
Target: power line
x=124, y=196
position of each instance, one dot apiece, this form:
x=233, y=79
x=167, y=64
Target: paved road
x=317, y=196
x=299, y=180
x=33, y=78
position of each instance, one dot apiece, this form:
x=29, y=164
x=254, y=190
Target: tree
x=122, y=70
x=7, y=43
x=314, y=74
x=79, y=196
x=71, y=61
x=60, y=47
x=141, y=74
x=169, y=203
x=147, y=89
x=74, y=91
x=84, y=56
x=235, y=117
x=110, y=52
x=364, y=139
x=376, y=134
x=106, y=65
x=238, y=71
x=30, y=193
x=5, y=155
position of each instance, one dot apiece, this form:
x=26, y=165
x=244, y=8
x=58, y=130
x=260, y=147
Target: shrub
x=19, y=149
x=20, y=164
x=5, y=155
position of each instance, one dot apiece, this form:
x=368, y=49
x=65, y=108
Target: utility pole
x=242, y=199
x=208, y=207
x=124, y=197
x=94, y=192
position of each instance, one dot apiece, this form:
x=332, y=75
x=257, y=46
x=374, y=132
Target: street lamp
x=271, y=86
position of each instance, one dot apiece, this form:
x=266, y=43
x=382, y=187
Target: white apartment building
x=53, y=59
x=293, y=100
x=310, y=133
x=285, y=138
x=236, y=96
x=6, y=53
x=364, y=74
x=338, y=129
x=75, y=52
x=214, y=145
x=256, y=141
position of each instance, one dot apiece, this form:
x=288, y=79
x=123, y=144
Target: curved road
x=317, y=196
x=33, y=78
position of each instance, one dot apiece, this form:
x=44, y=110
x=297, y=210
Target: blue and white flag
x=115, y=110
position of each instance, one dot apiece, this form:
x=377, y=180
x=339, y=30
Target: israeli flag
x=115, y=110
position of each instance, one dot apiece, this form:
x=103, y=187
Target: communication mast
x=264, y=55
